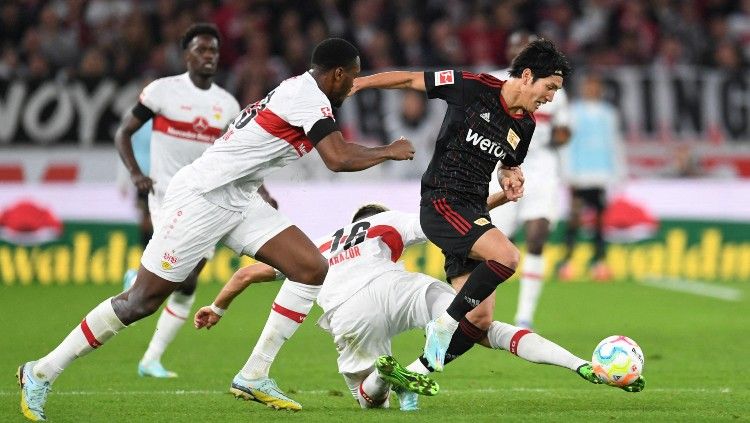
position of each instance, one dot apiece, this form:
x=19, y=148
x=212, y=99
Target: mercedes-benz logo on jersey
x=200, y=124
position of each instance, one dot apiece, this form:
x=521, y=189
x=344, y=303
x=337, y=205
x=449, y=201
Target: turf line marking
x=702, y=289
x=724, y=390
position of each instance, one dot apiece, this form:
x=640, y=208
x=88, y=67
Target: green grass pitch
x=695, y=348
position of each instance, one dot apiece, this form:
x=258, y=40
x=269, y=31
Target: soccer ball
x=617, y=360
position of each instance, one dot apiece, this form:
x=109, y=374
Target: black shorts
x=592, y=197
x=454, y=225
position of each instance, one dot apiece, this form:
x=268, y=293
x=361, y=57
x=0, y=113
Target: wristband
x=218, y=310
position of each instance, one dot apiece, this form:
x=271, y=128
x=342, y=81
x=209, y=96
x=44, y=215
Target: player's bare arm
x=393, y=80
x=496, y=199
x=124, y=144
x=342, y=156
x=256, y=273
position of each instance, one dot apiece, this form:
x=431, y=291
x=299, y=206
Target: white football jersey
x=541, y=154
x=363, y=250
x=186, y=122
x=266, y=136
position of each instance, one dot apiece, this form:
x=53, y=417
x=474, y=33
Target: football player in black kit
x=487, y=120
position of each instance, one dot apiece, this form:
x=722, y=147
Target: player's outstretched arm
x=342, y=156
x=396, y=79
x=209, y=316
x=124, y=144
x=496, y=199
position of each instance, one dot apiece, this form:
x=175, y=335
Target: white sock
x=530, y=346
x=418, y=367
x=446, y=320
x=96, y=328
x=289, y=309
x=172, y=318
x=532, y=276
x=373, y=392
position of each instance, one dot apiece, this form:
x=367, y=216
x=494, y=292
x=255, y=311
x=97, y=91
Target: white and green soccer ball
x=617, y=360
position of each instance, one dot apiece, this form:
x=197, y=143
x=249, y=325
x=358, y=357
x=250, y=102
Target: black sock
x=480, y=285
x=463, y=339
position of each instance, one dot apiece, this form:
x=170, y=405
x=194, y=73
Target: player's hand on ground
x=205, y=318
x=511, y=180
x=142, y=182
x=401, y=149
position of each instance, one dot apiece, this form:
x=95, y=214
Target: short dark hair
x=543, y=58
x=368, y=210
x=333, y=53
x=199, y=29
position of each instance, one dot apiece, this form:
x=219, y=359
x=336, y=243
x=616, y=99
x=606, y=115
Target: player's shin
x=530, y=289
x=172, y=318
x=530, y=346
x=481, y=284
x=289, y=310
x=97, y=327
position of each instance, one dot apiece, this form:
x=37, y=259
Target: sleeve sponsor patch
x=327, y=112
x=513, y=138
x=444, y=78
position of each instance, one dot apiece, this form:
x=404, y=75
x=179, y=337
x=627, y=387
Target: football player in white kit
x=537, y=210
x=189, y=112
x=216, y=198
x=367, y=299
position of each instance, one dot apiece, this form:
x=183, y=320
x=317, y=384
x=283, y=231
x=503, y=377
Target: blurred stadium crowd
x=265, y=41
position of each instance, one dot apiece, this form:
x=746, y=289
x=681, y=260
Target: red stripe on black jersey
x=483, y=78
x=390, y=237
x=198, y=130
x=280, y=128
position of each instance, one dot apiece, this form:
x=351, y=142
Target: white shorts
x=362, y=327
x=540, y=201
x=155, y=209
x=191, y=226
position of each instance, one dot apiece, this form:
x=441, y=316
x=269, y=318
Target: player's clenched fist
x=511, y=180
x=401, y=149
x=205, y=318
x=143, y=183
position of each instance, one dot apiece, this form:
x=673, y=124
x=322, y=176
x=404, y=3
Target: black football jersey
x=477, y=131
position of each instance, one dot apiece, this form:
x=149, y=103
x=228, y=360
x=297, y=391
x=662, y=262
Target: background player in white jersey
x=538, y=209
x=189, y=112
x=367, y=299
x=216, y=198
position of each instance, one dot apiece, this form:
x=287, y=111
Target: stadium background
x=676, y=70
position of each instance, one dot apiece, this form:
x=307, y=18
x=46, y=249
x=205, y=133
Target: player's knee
x=511, y=256
x=482, y=319
x=131, y=309
x=188, y=286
